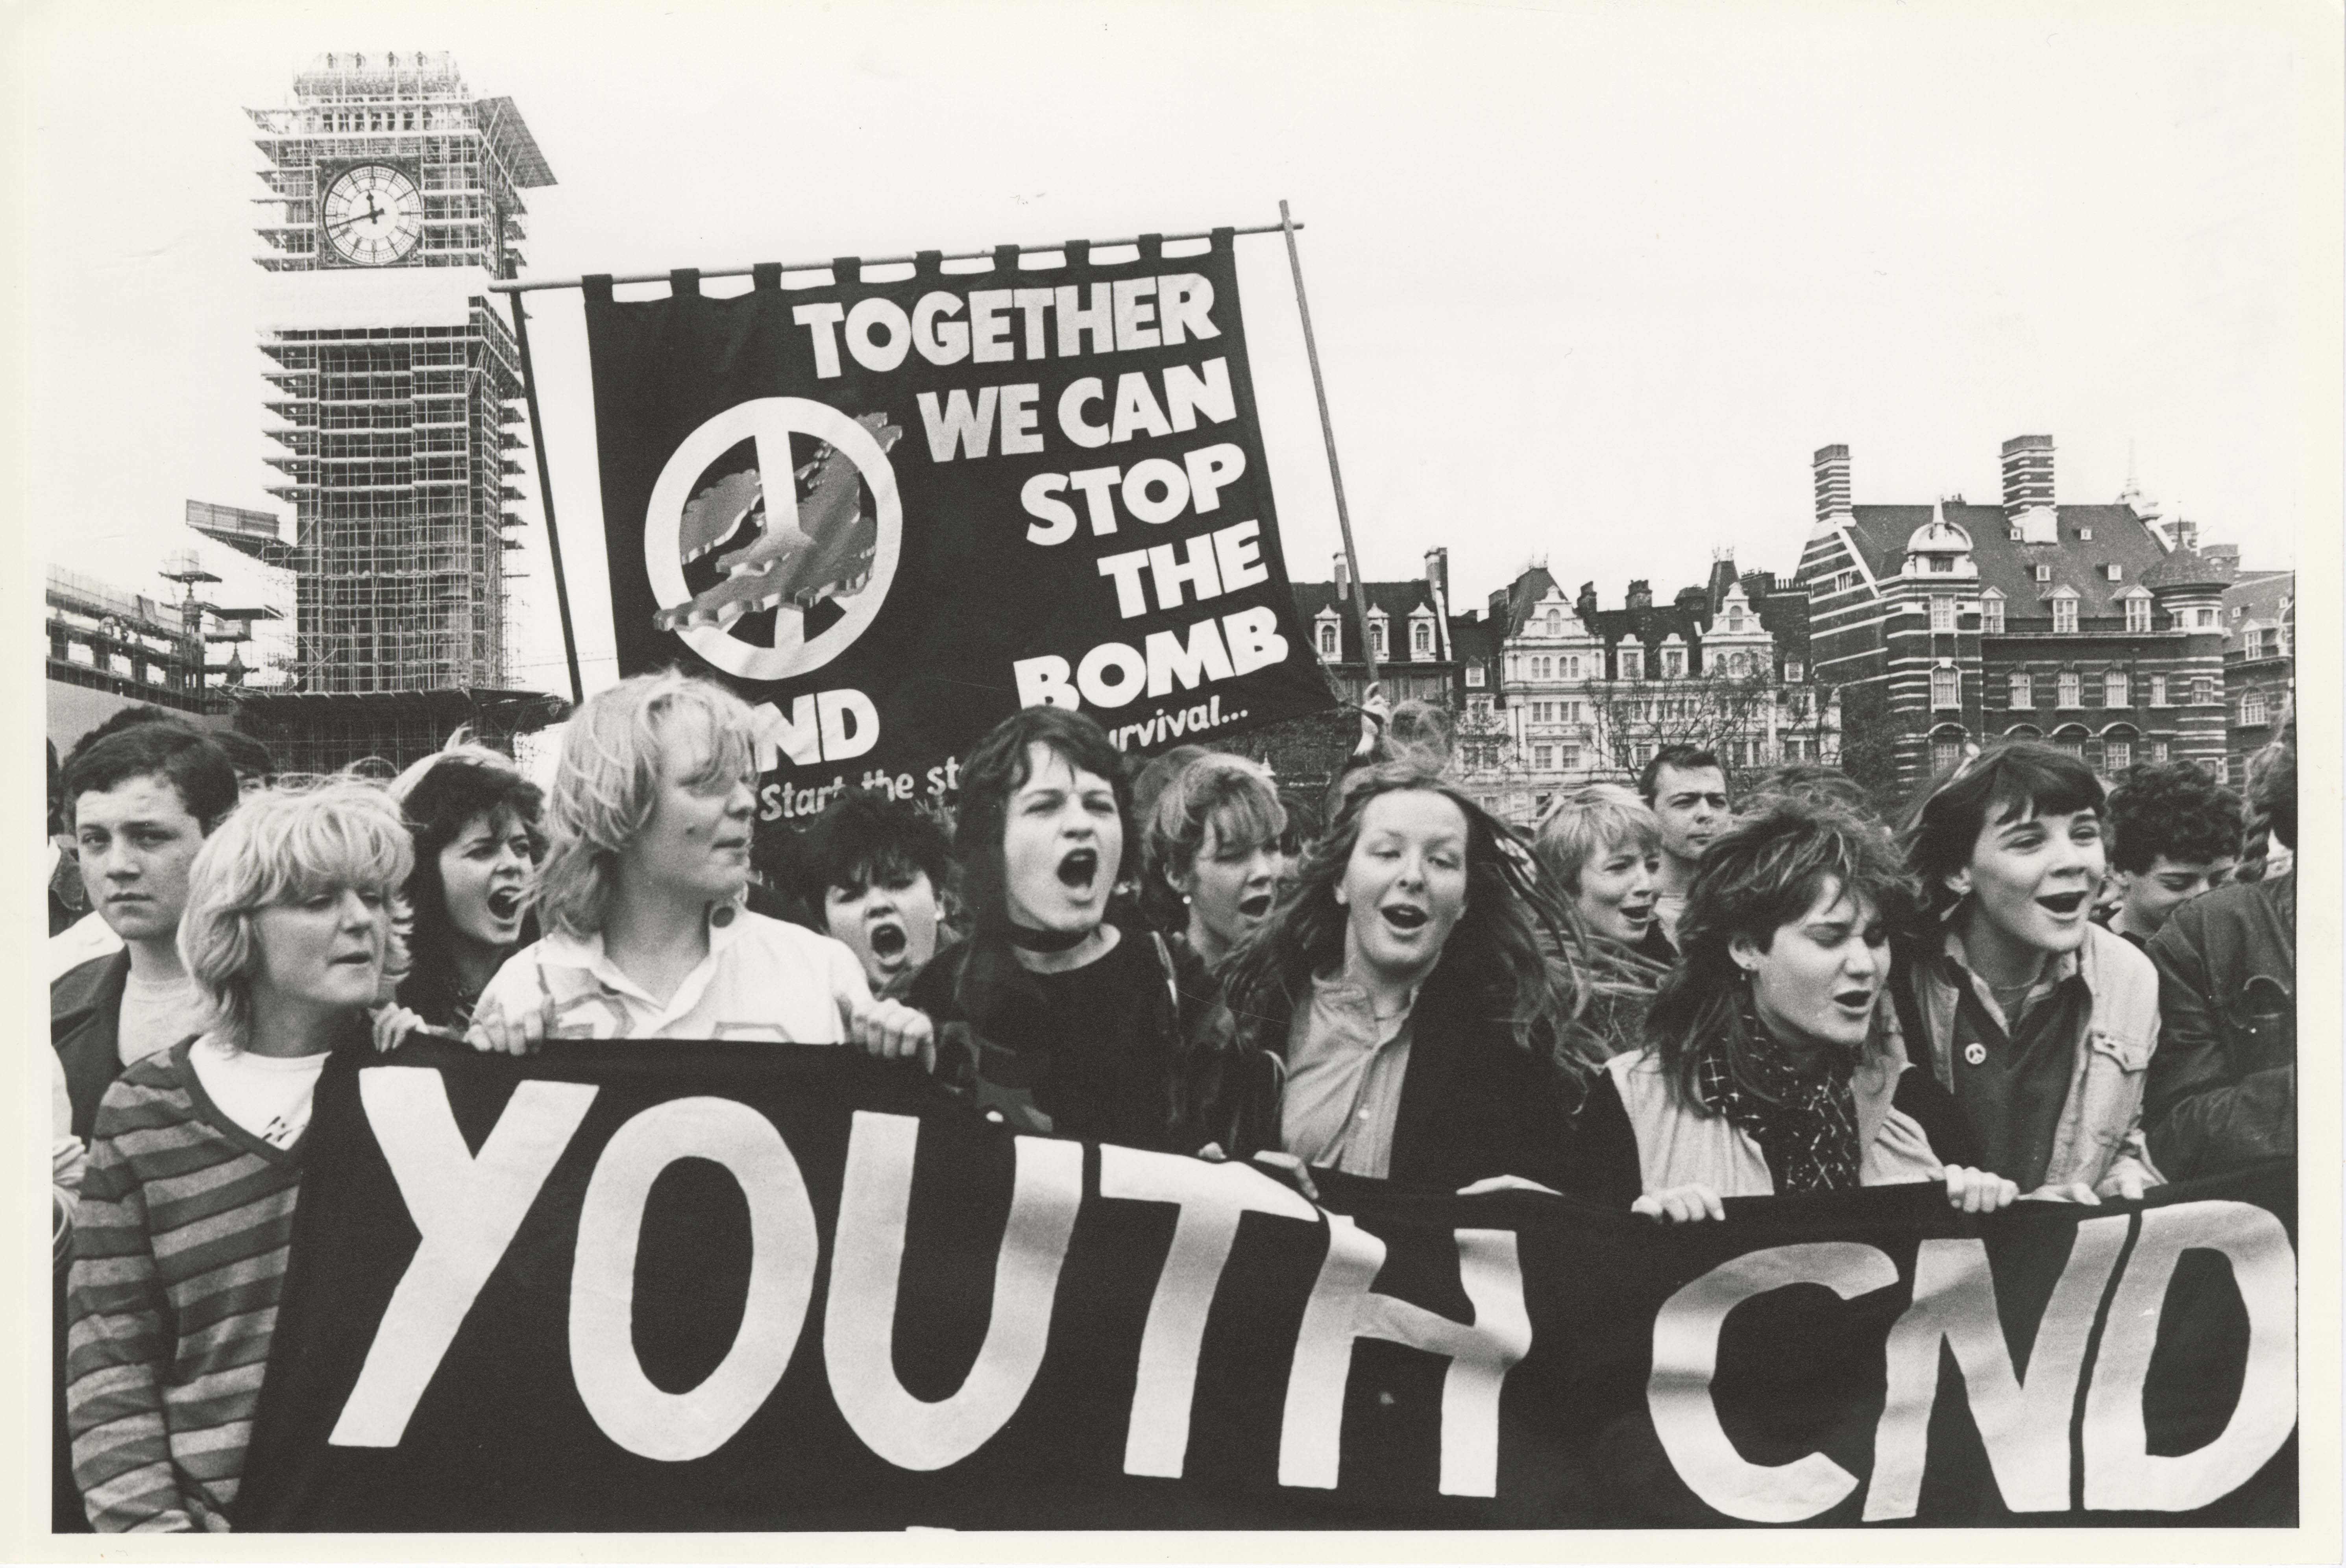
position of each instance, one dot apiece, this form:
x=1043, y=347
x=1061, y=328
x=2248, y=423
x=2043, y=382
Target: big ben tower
x=393, y=199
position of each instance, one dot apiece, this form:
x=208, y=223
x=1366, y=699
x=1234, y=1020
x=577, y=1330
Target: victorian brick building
x=2259, y=664
x=1945, y=625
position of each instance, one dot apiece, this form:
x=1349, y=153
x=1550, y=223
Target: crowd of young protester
x=1659, y=1000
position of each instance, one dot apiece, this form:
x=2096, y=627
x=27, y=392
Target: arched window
x=1946, y=751
x=1327, y=639
x=1421, y=639
x=2071, y=739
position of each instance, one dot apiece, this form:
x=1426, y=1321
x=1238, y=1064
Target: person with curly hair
x=1397, y=1016
x=476, y=823
x=2174, y=834
x=1769, y=1064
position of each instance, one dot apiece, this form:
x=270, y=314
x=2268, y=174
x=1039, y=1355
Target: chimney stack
x=1437, y=573
x=2027, y=474
x=1641, y=594
x=1830, y=464
x=1343, y=575
x=2186, y=534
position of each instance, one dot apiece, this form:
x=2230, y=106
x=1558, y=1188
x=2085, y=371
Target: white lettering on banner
x=1206, y=390
x=1196, y=485
x=465, y=1209
x=633, y=1411
x=1212, y=1198
x=867, y=1262
x=1686, y=1357
x=1055, y=520
x=2120, y=1471
x=821, y=322
x=1135, y=411
x=881, y=312
x=959, y=427
x=1173, y=663
x=2022, y=1424
x=1135, y=408
x=1082, y=391
x=1209, y=565
x=1136, y=313
x=1112, y=673
x=1147, y=474
x=1131, y=599
x=941, y=342
x=1115, y=317
x=989, y=325
x=1342, y=1309
x=1189, y=563
x=822, y=727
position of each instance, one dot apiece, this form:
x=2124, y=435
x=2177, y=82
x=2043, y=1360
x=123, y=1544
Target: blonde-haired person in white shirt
x=649, y=823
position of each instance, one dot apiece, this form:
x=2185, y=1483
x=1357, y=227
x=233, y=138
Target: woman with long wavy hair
x=1401, y=999
x=1771, y=1065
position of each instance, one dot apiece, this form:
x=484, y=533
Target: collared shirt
x=87, y=938
x=1344, y=1073
x=763, y=980
x=2013, y=1071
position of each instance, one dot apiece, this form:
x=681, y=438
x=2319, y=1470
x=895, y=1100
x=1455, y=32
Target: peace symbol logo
x=771, y=568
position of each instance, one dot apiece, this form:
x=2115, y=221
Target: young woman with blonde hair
x=641, y=896
x=187, y=1203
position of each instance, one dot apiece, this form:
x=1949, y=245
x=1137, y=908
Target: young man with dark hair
x=2037, y=1021
x=2175, y=834
x=139, y=802
x=2223, y=1087
x=871, y=871
x=1687, y=787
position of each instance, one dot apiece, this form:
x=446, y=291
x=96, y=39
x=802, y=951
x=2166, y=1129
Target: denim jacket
x=2100, y=1136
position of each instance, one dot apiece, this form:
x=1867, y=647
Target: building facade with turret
x=1582, y=694
x=1945, y=626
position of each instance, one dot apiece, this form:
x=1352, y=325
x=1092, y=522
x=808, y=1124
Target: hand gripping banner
x=891, y=514
x=664, y=1286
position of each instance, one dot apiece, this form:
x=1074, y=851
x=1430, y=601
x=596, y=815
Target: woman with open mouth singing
x=475, y=821
x=1768, y=1066
x=2040, y=1023
x=1051, y=1015
x=1213, y=845
x=642, y=897
x=1401, y=994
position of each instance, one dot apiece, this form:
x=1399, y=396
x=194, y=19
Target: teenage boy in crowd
x=2223, y=1087
x=2039, y=1021
x=88, y=935
x=1687, y=787
x=140, y=802
x=2174, y=833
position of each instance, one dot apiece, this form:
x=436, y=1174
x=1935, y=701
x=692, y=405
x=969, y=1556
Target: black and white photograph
x=1179, y=781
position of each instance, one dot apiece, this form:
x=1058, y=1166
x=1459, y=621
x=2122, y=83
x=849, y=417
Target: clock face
x=373, y=215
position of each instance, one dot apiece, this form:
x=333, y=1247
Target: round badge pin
x=1974, y=1052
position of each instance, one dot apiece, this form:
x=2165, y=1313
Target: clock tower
x=393, y=199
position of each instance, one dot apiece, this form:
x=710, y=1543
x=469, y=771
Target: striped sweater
x=179, y=1257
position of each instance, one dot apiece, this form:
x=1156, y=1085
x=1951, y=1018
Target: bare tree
x=1629, y=721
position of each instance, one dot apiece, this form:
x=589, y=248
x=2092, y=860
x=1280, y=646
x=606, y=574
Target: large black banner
x=1029, y=485
x=661, y=1286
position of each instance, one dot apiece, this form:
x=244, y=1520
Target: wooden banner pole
x=1328, y=434
x=545, y=499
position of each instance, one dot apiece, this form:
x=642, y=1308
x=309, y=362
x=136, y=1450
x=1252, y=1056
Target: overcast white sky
x=1590, y=281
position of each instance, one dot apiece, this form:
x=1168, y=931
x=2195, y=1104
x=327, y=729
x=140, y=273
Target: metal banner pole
x=545, y=499
x=1328, y=434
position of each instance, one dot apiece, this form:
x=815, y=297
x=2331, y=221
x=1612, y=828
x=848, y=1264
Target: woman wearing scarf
x=1768, y=1067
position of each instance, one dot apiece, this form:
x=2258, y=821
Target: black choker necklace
x=1035, y=941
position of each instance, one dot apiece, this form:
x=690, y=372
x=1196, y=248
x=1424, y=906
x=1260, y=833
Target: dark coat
x=1474, y=1103
x=85, y=1021
x=2222, y=1088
